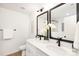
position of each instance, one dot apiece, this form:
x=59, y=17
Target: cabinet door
x=30, y=50
x=33, y=51
x=40, y=53
x=27, y=49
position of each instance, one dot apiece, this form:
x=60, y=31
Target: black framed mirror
x=63, y=18
x=42, y=21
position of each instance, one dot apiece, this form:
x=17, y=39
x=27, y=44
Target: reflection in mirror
x=64, y=18
x=42, y=24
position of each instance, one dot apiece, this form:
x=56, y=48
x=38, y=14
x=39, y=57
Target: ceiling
x=23, y=7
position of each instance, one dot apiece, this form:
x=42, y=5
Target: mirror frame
x=77, y=6
x=37, y=34
x=50, y=22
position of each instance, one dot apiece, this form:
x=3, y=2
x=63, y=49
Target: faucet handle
x=59, y=39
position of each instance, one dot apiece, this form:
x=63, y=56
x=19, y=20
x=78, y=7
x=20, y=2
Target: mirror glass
x=64, y=20
x=42, y=23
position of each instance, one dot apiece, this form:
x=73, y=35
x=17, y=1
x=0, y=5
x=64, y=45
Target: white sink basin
x=60, y=50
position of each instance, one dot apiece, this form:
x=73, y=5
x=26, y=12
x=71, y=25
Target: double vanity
x=36, y=47
x=57, y=32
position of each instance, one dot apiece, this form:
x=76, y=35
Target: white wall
x=47, y=6
x=33, y=24
x=14, y=20
x=50, y=5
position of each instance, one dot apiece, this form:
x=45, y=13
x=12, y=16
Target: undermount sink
x=59, y=50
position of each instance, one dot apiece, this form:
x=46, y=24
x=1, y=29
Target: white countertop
x=51, y=48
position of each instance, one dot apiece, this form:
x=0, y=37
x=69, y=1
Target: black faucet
x=59, y=39
x=38, y=36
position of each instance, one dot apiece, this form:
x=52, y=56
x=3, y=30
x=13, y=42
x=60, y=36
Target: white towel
x=76, y=40
x=7, y=34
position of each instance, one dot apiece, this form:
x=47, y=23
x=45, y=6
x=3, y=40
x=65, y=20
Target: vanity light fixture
x=40, y=10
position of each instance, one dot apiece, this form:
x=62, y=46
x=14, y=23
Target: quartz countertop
x=50, y=47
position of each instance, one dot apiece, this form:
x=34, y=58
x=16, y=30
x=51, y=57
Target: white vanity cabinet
x=35, y=47
x=33, y=51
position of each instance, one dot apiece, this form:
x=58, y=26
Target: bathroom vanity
x=36, y=47
x=55, y=32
